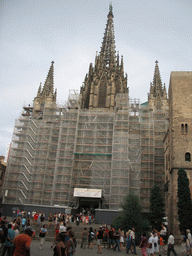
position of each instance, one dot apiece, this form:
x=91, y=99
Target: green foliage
x=184, y=201
x=132, y=216
x=157, y=211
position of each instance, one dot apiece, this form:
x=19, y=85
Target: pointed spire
x=108, y=44
x=39, y=90
x=157, y=84
x=49, y=82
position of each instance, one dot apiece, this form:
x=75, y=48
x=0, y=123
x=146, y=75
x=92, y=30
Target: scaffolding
x=65, y=147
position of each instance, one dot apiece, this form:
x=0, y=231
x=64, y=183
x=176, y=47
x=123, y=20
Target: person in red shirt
x=35, y=218
x=22, y=242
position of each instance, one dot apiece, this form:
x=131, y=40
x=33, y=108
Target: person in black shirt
x=99, y=237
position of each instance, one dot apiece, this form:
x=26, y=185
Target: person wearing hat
x=22, y=242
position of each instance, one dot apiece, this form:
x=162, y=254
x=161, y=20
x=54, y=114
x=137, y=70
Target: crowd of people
x=15, y=236
x=153, y=243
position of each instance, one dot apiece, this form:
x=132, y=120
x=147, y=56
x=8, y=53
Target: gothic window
x=187, y=157
x=182, y=128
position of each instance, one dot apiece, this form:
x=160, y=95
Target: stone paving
x=47, y=251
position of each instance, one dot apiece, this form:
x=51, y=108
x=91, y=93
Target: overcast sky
x=35, y=32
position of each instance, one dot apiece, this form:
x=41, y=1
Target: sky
x=35, y=32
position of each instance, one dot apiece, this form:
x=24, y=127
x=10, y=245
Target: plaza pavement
x=47, y=251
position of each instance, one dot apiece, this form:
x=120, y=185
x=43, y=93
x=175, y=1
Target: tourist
x=150, y=244
x=90, y=237
x=155, y=245
x=50, y=219
x=4, y=233
x=8, y=248
x=99, y=237
x=42, y=234
x=111, y=237
x=171, y=243
x=183, y=243
x=128, y=240
x=84, y=237
x=57, y=228
x=143, y=244
x=35, y=218
x=163, y=232
x=59, y=249
x=132, y=234
x=116, y=238
x=23, y=223
x=161, y=245
x=122, y=234
x=22, y=243
x=15, y=228
x=189, y=237
x=42, y=219
x=70, y=246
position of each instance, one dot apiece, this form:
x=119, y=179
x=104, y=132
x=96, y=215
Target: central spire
x=108, y=45
x=106, y=78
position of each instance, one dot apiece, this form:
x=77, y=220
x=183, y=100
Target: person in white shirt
x=171, y=242
x=132, y=234
x=189, y=239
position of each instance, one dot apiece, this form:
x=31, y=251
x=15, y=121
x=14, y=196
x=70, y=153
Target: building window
x=186, y=128
x=188, y=157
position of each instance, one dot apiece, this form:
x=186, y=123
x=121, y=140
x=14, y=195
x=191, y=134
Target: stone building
x=93, y=151
x=3, y=166
x=178, y=141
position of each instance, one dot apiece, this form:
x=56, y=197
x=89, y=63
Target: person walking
x=22, y=242
x=143, y=244
x=171, y=243
x=42, y=234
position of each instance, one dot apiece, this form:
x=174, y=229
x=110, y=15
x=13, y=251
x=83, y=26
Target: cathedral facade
x=95, y=150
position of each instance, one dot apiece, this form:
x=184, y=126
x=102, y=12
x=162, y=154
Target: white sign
x=86, y=192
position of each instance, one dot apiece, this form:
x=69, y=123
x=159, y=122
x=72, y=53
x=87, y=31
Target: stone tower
x=157, y=98
x=106, y=78
x=46, y=96
x=178, y=142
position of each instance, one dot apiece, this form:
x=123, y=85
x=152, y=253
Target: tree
x=157, y=211
x=132, y=216
x=184, y=201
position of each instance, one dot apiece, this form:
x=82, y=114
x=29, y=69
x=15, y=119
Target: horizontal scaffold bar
x=93, y=154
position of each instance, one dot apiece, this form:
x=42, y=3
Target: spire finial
x=156, y=62
x=110, y=7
